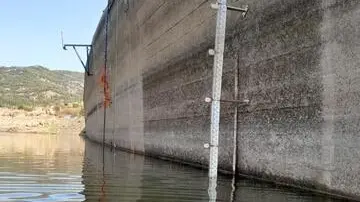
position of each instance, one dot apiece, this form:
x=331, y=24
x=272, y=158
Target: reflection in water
x=130, y=177
x=40, y=167
x=55, y=168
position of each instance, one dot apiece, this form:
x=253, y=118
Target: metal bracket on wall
x=233, y=8
x=88, y=49
x=242, y=102
x=74, y=46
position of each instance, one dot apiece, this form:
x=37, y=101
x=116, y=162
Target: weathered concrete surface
x=298, y=62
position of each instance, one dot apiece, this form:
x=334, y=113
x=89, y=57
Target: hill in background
x=39, y=86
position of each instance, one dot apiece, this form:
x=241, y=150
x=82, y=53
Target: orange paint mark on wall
x=105, y=86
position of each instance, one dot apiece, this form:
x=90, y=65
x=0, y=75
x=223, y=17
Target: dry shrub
x=12, y=130
x=70, y=111
x=57, y=109
x=26, y=108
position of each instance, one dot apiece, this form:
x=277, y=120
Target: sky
x=30, y=31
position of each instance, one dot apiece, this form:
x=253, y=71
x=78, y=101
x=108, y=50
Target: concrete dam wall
x=297, y=61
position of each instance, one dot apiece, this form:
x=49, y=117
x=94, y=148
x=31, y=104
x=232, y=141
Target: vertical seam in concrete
x=327, y=142
x=236, y=97
x=129, y=91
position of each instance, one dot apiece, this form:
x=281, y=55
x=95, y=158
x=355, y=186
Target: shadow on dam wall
x=298, y=64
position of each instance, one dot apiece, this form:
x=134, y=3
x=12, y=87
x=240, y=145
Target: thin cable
x=105, y=68
x=115, y=111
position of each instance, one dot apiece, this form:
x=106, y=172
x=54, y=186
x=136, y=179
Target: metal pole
x=236, y=94
x=78, y=55
x=216, y=88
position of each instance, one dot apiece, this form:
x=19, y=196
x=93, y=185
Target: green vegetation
x=26, y=87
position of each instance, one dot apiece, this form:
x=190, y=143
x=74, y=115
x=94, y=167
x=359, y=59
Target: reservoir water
x=37, y=167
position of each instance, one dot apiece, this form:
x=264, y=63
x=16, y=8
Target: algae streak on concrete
x=298, y=63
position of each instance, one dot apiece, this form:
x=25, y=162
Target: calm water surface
x=68, y=168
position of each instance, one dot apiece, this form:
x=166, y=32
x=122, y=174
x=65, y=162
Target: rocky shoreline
x=39, y=120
